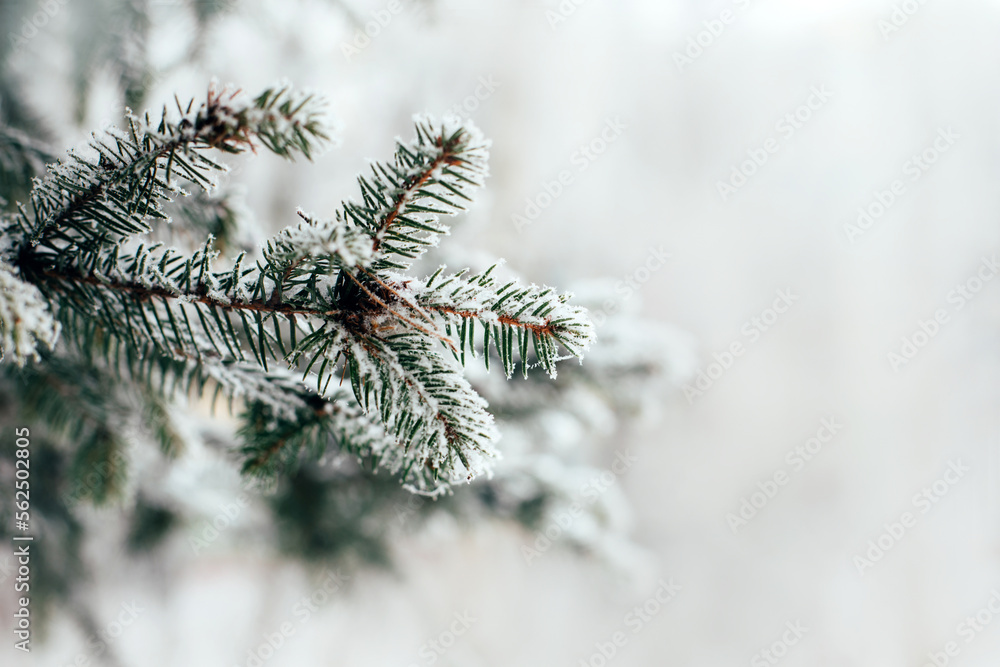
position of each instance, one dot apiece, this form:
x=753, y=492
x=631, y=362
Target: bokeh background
x=550, y=77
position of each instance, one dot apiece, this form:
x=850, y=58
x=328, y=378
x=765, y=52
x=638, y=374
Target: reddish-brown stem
x=446, y=157
x=540, y=329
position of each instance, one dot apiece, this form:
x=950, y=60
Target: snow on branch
x=322, y=300
x=25, y=320
x=443, y=430
x=431, y=176
x=511, y=316
x=111, y=190
x=317, y=246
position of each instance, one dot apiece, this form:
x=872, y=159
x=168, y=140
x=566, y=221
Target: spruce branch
x=322, y=300
x=431, y=176
x=443, y=428
x=314, y=247
x=510, y=316
x=93, y=199
x=274, y=441
x=185, y=371
x=282, y=417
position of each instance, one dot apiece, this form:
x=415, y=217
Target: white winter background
x=656, y=185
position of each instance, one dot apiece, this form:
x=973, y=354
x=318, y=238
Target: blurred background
x=793, y=191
